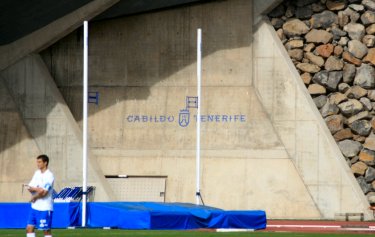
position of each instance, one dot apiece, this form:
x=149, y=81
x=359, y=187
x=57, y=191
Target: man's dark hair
x=44, y=158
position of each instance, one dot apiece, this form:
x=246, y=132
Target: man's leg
x=30, y=227
x=47, y=233
x=30, y=231
x=46, y=223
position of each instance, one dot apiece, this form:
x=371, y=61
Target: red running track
x=320, y=226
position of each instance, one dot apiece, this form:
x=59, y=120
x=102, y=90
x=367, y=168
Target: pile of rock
x=331, y=43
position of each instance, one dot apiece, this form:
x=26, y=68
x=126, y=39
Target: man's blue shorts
x=42, y=220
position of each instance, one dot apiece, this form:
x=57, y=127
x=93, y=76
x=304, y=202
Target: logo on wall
x=185, y=117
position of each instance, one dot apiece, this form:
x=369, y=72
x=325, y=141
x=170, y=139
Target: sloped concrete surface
x=302, y=129
x=44, y=37
x=50, y=123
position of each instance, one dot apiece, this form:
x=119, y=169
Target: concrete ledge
x=349, y=216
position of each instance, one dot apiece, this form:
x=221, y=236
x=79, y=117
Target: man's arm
x=37, y=193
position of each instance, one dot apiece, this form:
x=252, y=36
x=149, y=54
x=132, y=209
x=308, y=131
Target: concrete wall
x=145, y=66
x=22, y=138
x=51, y=125
x=264, y=145
x=17, y=150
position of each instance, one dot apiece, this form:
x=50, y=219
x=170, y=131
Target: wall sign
x=184, y=116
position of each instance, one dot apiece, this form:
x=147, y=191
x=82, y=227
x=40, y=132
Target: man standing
x=40, y=187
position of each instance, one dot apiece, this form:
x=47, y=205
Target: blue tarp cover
x=14, y=215
x=137, y=215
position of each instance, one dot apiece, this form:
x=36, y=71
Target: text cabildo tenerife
x=184, y=118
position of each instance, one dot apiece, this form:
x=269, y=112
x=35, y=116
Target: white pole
x=85, y=95
x=198, y=155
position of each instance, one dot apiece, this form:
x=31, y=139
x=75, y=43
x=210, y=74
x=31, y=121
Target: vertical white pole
x=198, y=155
x=85, y=95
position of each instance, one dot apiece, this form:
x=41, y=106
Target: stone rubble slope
x=331, y=43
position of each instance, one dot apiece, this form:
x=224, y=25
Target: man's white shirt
x=43, y=180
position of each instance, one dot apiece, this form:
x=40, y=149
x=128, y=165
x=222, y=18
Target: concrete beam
x=46, y=36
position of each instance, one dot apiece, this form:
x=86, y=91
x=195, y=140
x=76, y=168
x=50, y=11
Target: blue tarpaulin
x=14, y=215
x=137, y=215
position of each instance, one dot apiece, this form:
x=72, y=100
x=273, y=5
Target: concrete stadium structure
x=264, y=143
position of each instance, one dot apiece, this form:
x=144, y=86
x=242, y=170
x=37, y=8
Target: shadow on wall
x=144, y=50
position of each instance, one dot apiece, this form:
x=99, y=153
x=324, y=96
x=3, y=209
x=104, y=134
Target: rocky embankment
x=331, y=43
